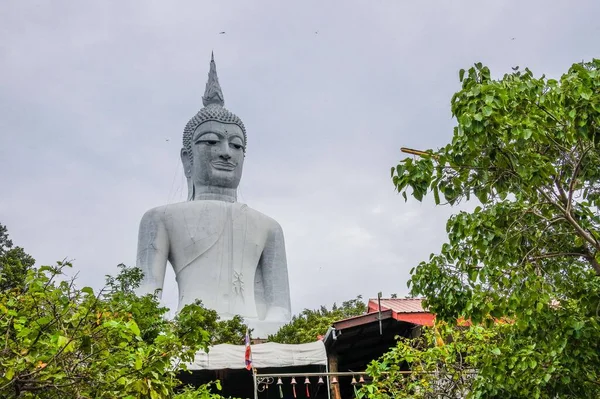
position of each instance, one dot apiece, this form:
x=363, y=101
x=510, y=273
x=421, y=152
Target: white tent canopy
x=263, y=355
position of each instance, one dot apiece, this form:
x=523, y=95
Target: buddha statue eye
x=236, y=143
x=208, y=139
x=207, y=142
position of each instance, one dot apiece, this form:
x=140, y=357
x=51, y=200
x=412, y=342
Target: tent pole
x=255, y=385
x=328, y=386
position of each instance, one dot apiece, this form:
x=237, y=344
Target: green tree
x=443, y=362
x=528, y=149
x=310, y=324
x=230, y=331
x=62, y=342
x=14, y=262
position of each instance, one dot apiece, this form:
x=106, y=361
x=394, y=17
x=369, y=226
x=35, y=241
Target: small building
x=353, y=343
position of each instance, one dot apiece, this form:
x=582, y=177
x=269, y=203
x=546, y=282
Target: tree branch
x=594, y=263
x=574, y=178
x=580, y=231
x=557, y=255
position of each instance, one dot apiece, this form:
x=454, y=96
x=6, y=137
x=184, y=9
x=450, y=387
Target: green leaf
x=138, y=363
x=532, y=364
x=9, y=374
x=436, y=195
x=586, y=94
x=133, y=327
x=62, y=341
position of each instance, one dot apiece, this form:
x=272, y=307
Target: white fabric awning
x=263, y=355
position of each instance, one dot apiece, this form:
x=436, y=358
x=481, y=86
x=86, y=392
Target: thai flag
x=248, y=355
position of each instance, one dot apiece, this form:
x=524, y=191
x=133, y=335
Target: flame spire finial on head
x=213, y=93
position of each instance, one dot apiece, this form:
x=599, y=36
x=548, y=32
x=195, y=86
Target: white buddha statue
x=223, y=252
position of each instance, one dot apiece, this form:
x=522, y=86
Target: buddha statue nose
x=225, y=155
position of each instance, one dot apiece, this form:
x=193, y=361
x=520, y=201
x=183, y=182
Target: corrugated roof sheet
x=398, y=305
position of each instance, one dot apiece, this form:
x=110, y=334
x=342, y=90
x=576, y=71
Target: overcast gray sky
x=94, y=97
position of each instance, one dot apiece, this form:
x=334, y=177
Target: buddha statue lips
x=227, y=166
x=224, y=253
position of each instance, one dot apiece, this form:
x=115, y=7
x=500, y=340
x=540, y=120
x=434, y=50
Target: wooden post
x=333, y=368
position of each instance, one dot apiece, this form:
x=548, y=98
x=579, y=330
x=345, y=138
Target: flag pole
x=249, y=363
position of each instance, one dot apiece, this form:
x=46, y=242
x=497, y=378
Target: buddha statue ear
x=186, y=160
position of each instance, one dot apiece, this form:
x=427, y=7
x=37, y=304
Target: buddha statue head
x=214, y=146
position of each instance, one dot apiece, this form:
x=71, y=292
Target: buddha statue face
x=217, y=155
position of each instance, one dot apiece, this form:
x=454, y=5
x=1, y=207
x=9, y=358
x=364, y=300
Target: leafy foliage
x=442, y=360
x=310, y=324
x=14, y=262
x=230, y=331
x=528, y=148
x=64, y=342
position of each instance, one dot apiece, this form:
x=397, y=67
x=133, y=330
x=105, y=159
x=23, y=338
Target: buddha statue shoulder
x=223, y=252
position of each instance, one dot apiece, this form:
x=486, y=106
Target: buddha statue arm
x=275, y=276
x=153, y=252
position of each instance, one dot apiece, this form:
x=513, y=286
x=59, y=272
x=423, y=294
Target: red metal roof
x=404, y=309
x=398, y=305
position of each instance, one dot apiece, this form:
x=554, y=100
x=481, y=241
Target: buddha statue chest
x=215, y=251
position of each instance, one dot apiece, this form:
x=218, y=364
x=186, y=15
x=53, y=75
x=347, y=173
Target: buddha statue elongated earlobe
x=191, y=190
x=186, y=160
